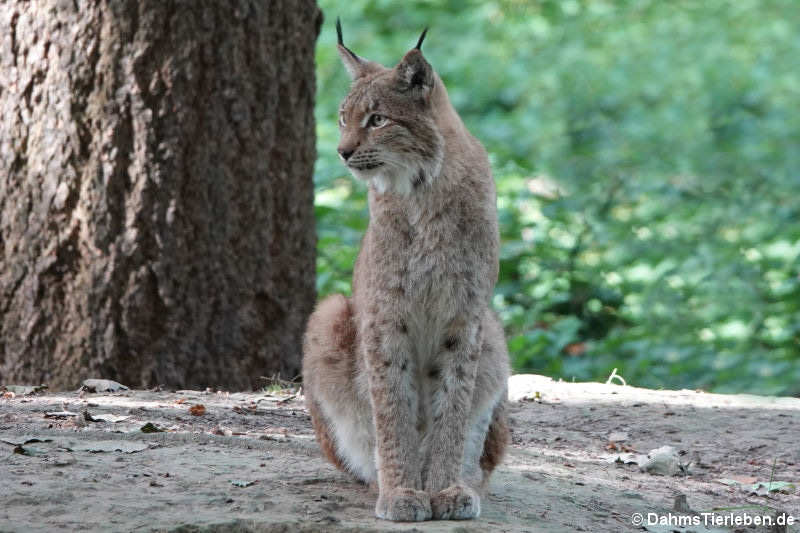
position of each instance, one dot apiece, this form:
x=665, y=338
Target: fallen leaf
x=663, y=461
x=108, y=417
x=60, y=414
x=150, y=428
x=240, y=483
x=105, y=417
x=102, y=385
x=8, y=395
x=198, y=409
x=763, y=487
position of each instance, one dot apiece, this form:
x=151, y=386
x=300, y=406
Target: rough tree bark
x=156, y=210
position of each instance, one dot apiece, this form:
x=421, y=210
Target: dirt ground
x=249, y=462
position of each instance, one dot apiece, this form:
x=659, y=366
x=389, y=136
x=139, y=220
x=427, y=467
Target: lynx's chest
x=428, y=264
x=429, y=257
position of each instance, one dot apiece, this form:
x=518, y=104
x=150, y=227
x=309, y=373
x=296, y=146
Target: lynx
x=406, y=380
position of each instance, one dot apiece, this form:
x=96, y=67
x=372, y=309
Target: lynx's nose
x=345, y=153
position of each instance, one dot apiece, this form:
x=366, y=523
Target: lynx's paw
x=404, y=505
x=456, y=502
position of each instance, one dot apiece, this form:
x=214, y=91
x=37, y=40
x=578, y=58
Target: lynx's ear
x=356, y=66
x=414, y=73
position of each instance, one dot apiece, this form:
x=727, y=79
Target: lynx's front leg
x=394, y=397
x=451, y=498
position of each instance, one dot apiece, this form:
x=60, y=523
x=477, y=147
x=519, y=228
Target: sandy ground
x=249, y=463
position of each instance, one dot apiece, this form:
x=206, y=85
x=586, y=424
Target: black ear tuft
x=341, y=41
x=421, y=38
x=356, y=66
x=339, y=31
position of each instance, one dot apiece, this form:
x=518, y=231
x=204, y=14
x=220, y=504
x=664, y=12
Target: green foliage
x=647, y=157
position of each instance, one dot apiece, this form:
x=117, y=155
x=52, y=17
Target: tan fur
x=406, y=380
x=497, y=439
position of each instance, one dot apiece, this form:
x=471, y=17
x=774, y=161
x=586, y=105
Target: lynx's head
x=389, y=132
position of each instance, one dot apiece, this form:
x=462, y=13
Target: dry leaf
x=102, y=385
x=150, y=428
x=198, y=409
x=60, y=414
x=105, y=417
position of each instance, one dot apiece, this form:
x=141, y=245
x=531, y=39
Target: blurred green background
x=647, y=160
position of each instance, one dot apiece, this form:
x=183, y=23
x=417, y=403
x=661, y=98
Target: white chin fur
x=385, y=182
x=400, y=181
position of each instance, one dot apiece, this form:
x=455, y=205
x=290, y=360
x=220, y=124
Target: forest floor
x=249, y=462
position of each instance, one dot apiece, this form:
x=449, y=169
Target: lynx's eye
x=376, y=121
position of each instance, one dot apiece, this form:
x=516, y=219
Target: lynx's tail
x=497, y=439
x=328, y=363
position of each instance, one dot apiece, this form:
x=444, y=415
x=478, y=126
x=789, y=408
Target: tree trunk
x=156, y=196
